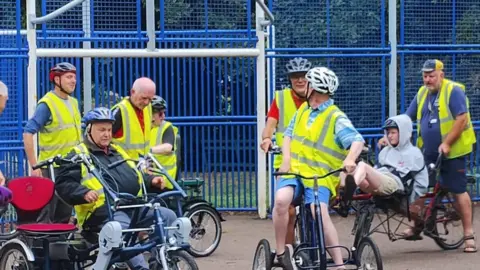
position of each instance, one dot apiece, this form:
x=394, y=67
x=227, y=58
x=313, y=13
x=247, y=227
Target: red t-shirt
x=139, y=114
x=274, y=112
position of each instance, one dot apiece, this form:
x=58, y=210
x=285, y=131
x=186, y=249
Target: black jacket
x=122, y=178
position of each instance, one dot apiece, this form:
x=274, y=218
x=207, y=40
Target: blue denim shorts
x=323, y=192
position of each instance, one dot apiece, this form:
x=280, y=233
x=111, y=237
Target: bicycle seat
x=47, y=229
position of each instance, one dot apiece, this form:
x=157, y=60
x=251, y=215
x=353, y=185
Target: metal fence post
x=392, y=69
x=87, y=61
x=32, y=67
x=261, y=93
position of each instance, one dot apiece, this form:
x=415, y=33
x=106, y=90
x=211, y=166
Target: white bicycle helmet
x=298, y=64
x=322, y=80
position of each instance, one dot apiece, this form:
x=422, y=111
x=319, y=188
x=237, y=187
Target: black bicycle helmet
x=390, y=124
x=158, y=103
x=60, y=69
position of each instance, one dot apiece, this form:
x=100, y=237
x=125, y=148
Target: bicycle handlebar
x=55, y=160
x=313, y=177
x=437, y=164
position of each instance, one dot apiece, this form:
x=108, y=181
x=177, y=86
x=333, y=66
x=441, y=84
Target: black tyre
x=176, y=260
x=363, y=222
x=444, y=215
x=199, y=217
x=369, y=255
x=263, y=256
x=14, y=257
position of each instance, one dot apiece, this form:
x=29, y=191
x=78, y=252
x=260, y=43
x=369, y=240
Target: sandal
x=470, y=248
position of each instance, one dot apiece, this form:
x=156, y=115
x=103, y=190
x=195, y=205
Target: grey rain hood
x=405, y=157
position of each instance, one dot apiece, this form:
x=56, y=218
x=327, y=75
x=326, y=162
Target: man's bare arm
x=269, y=128
x=29, y=148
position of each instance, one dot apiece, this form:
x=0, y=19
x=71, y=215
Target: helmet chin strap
x=60, y=85
x=89, y=132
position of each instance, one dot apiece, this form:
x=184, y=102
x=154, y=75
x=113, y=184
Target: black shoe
x=286, y=259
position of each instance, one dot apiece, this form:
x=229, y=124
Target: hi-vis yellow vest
x=169, y=161
x=464, y=144
x=134, y=141
x=286, y=109
x=314, y=150
x=83, y=211
x=64, y=131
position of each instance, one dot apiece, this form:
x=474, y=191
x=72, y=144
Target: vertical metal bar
x=150, y=24
x=260, y=83
x=454, y=37
x=32, y=67
x=87, y=61
x=392, y=69
x=162, y=18
x=20, y=88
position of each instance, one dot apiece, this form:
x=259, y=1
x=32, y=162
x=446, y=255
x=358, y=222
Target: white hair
x=3, y=89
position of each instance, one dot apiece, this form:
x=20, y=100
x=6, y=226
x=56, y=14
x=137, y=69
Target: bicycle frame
x=438, y=191
x=316, y=232
x=130, y=234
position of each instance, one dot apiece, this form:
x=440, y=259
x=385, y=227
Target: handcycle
x=196, y=209
x=310, y=253
x=439, y=212
x=116, y=245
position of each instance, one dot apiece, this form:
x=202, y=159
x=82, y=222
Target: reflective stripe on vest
x=464, y=144
x=83, y=211
x=286, y=109
x=314, y=150
x=132, y=140
x=64, y=131
x=168, y=161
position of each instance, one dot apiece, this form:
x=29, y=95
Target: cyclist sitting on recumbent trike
x=400, y=170
x=315, y=143
x=77, y=187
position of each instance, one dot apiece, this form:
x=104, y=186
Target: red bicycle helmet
x=60, y=69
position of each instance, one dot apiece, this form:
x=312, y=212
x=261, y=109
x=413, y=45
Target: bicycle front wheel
x=176, y=259
x=369, y=255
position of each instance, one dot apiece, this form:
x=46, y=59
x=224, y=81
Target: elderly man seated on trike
x=77, y=187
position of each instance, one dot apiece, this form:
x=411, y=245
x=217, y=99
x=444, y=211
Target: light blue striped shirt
x=345, y=132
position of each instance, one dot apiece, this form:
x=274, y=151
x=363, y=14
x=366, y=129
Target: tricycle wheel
x=263, y=256
x=202, y=226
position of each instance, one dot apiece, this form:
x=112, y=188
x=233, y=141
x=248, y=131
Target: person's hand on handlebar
x=37, y=172
x=159, y=182
x=444, y=148
x=265, y=145
x=349, y=165
x=91, y=196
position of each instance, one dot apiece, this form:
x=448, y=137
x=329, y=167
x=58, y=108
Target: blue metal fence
x=213, y=100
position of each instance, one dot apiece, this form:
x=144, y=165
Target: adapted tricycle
x=60, y=246
x=438, y=220
x=311, y=252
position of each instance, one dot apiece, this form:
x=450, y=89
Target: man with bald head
x=133, y=118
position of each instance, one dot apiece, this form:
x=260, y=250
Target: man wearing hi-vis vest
x=444, y=126
x=80, y=188
x=163, y=138
x=133, y=119
x=319, y=139
x=57, y=121
x=283, y=107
